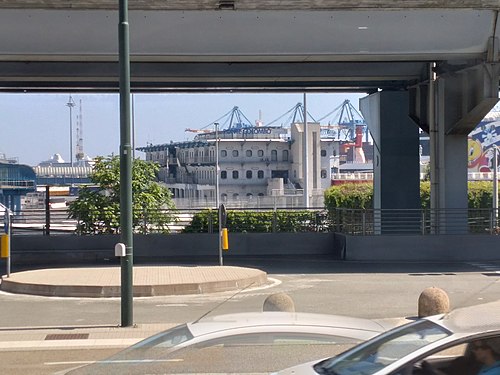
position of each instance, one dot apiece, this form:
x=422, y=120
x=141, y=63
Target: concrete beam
x=470, y=95
x=253, y=4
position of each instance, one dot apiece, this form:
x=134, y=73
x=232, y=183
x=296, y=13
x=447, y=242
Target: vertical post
x=434, y=152
x=125, y=169
x=217, y=203
x=70, y=104
x=363, y=222
x=495, y=187
x=47, y=210
x=305, y=157
x=6, y=239
x=423, y=222
x=133, y=125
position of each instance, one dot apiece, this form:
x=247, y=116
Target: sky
x=36, y=126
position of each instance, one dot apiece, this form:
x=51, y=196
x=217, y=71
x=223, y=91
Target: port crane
x=346, y=121
x=295, y=114
x=234, y=119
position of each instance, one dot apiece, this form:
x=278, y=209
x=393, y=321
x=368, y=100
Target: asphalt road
x=368, y=290
x=365, y=290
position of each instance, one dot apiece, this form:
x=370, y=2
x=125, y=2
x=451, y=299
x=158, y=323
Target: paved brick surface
x=147, y=280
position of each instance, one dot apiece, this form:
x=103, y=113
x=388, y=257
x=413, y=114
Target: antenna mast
x=79, y=135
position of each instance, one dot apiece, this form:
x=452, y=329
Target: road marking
x=68, y=363
x=173, y=305
x=113, y=361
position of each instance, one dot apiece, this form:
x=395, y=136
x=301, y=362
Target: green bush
x=349, y=196
x=360, y=196
x=258, y=221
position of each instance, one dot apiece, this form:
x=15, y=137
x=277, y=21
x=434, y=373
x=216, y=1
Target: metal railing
x=287, y=219
x=415, y=221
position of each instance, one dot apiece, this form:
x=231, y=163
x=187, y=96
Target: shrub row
x=259, y=221
x=480, y=194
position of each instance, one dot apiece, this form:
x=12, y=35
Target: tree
x=97, y=207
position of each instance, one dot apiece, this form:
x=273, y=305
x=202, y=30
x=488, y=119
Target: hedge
x=361, y=195
x=260, y=221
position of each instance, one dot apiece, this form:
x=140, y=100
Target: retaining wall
x=422, y=248
x=72, y=248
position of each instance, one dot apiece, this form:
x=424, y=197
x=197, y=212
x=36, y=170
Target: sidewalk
x=105, y=282
x=148, y=281
x=48, y=338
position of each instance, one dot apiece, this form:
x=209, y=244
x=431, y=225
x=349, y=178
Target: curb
x=216, y=279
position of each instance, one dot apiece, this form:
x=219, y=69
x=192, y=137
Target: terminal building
x=16, y=181
x=260, y=166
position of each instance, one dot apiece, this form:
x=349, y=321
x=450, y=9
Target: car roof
x=473, y=319
x=277, y=318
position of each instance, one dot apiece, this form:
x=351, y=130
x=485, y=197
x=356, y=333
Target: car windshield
x=380, y=352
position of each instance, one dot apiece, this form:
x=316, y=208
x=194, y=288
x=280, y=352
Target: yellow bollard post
x=225, y=240
x=5, y=246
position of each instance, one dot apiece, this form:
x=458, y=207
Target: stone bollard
x=433, y=301
x=279, y=302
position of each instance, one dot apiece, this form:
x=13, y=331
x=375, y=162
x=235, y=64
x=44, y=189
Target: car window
x=383, y=350
x=256, y=352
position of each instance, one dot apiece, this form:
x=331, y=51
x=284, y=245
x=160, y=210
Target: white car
x=251, y=343
x=454, y=343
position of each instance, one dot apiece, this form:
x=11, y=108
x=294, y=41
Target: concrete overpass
x=430, y=63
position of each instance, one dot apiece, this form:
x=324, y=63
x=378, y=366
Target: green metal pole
x=125, y=169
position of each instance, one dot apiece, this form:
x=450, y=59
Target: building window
x=260, y=174
x=223, y=153
x=223, y=175
x=235, y=153
x=261, y=194
x=249, y=195
x=249, y=174
x=323, y=153
x=223, y=197
x=260, y=153
x=323, y=173
x=249, y=153
x=236, y=196
x=274, y=155
x=235, y=175
x=285, y=155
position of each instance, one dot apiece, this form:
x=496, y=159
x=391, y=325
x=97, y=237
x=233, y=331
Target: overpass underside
x=433, y=65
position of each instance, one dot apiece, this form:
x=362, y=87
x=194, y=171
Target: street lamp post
x=495, y=187
x=126, y=229
x=70, y=104
x=217, y=203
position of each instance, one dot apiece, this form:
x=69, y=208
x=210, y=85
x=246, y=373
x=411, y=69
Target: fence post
x=274, y=221
x=363, y=222
x=492, y=215
x=145, y=220
x=423, y=222
x=210, y=222
x=47, y=210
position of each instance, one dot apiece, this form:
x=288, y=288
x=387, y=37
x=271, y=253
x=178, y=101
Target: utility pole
x=70, y=104
x=495, y=187
x=127, y=284
x=305, y=157
x=217, y=202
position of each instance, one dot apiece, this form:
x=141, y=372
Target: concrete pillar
x=396, y=166
x=449, y=106
x=449, y=201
